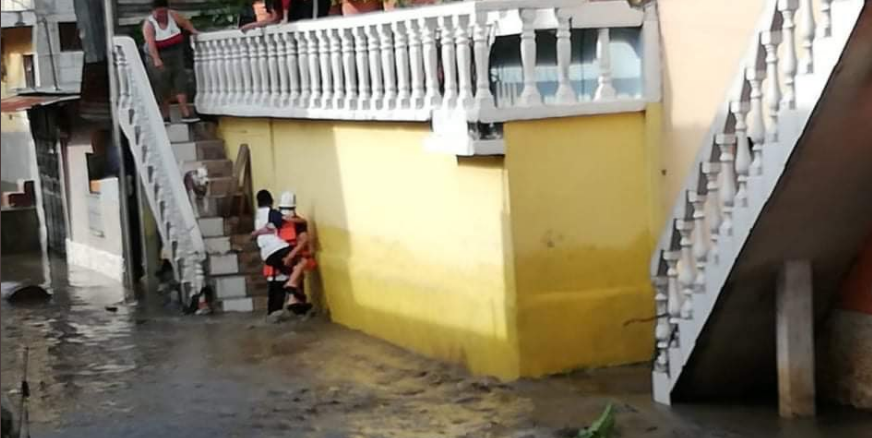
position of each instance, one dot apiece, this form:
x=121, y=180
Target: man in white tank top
x=166, y=57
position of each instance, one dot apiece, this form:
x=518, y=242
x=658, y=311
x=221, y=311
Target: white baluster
x=361, y=55
x=255, y=71
x=743, y=151
x=388, y=66
x=263, y=67
x=565, y=93
x=432, y=98
x=314, y=74
x=292, y=67
x=240, y=68
x=674, y=303
x=806, y=35
x=375, y=68
x=700, y=239
x=530, y=96
x=756, y=123
x=771, y=40
x=826, y=19
x=223, y=83
x=282, y=66
x=449, y=63
x=464, y=62
x=243, y=65
x=274, y=90
x=326, y=72
x=349, y=69
x=712, y=171
x=484, y=99
x=416, y=64
x=303, y=66
x=605, y=89
x=686, y=267
x=230, y=68
x=788, y=64
x=401, y=40
x=727, y=186
x=662, y=331
x=336, y=66
x=206, y=59
x=198, y=73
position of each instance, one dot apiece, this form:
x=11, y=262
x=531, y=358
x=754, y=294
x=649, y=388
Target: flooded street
x=143, y=371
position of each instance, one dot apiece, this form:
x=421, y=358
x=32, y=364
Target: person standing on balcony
x=166, y=57
x=260, y=13
x=305, y=9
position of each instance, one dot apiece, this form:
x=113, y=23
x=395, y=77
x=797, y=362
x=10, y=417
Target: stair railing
x=140, y=119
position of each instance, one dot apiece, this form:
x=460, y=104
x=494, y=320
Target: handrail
x=141, y=121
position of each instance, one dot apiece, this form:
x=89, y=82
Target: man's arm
x=184, y=23
x=148, y=32
x=275, y=17
x=267, y=229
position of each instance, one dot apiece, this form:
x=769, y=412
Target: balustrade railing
x=141, y=121
x=736, y=170
x=408, y=64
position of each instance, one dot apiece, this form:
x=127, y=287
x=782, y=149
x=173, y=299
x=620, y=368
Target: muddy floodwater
x=139, y=370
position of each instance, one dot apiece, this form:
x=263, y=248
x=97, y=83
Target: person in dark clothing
x=304, y=9
x=260, y=13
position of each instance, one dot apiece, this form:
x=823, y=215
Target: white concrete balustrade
x=141, y=121
x=412, y=65
x=738, y=166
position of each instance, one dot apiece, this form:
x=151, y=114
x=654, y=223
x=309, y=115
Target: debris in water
x=19, y=293
x=111, y=308
x=602, y=427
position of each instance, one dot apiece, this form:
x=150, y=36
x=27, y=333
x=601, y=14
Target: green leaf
x=602, y=427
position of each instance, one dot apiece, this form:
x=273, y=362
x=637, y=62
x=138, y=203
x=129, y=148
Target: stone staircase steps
x=199, y=150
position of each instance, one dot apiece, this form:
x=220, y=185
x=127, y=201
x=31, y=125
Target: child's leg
x=296, y=274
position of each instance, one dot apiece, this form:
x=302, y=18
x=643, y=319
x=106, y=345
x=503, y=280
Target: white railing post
x=530, y=96
x=303, y=68
x=605, y=89
x=326, y=71
x=239, y=67
x=755, y=74
x=416, y=64
x=375, y=68
x=223, y=80
x=788, y=64
x=198, y=73
x=740, y=109
x=449, y=63
x=292, y=68
x=314, y=75
x=336, y=67
x=349, y=69
x=282, y=66
x=464, y=61
x=826, y=20
x=432, y=98
x=727, y=186
x=662, y=331
x=484, y=99
x=686, y=267
x=771, y=40
x=402, y=48
x=712, y=171
x=256, y=78
x=673, y=306
x=700, y=239
x=806, y=33
x=388, y=66
x=262, y=60
x=243, y=65
x=565, y=93
x=274, y=90
x=230, y=67
x=362, y=57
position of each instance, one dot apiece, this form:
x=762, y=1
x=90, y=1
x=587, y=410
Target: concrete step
x=242, y=242
x=225, y=226
x=188, y=132
x=218, y=206
x=238, y=286
x=235, y=263
x=214, y=168
x=218, y=245
x=247, y=305
x=199, y=150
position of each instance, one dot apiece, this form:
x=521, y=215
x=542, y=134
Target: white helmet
x=288, y=200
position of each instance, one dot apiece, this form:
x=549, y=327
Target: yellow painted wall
x=702, y=42
x=581, y=204
x=412, y=245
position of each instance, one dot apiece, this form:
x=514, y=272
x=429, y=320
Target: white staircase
x=209, y=242
x=793, y=52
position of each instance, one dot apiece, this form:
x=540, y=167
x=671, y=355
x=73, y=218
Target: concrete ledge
x=106, y=263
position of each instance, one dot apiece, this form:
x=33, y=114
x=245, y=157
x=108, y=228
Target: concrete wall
x=702, y=42
x=582, y=234
x=17, y=42
x=524, y=265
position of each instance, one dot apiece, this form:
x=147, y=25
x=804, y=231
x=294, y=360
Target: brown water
x=143, y=371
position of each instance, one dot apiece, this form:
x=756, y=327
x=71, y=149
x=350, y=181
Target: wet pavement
x=144, y=371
